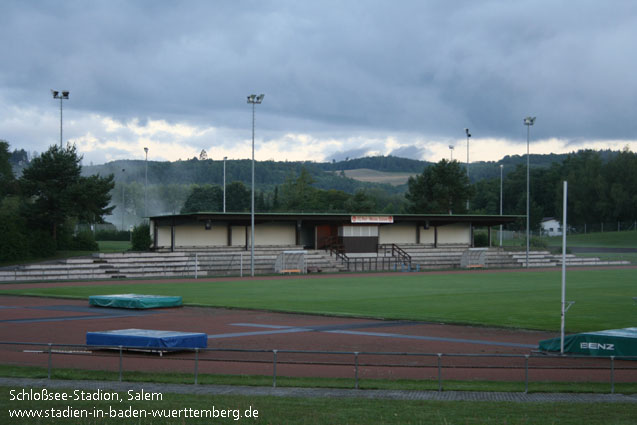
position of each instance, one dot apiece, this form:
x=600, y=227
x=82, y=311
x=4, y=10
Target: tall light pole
x=451, y=151
x=466, y=130
x=528, y=122
x=64, y=94
x=254, y=100
x=146, y=186
x=123, y=198
x=224, y=183
x=501, y=167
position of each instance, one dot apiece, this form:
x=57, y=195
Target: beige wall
x=427, y=236
x=397, y=233
x=266, y=234
x=238, y=236
x=275, y=234
x=163, y=237
x=197, y=235
x=454, y=234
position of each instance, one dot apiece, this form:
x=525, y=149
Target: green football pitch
x=526, y=300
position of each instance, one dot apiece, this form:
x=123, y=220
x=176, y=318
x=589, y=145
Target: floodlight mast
x=253, y=99
x=64, y=94
x=225, y=158
x=146, y=185
x=466, y=130
x=501, y=168
x=528, y=122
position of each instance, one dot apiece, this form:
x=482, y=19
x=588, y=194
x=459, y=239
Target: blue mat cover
x=147, y=338
x=134, y=301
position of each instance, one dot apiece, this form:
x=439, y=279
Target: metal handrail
x=396, y=251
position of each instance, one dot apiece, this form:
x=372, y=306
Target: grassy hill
x=375, y=176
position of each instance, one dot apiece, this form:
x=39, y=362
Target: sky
x=342, y=79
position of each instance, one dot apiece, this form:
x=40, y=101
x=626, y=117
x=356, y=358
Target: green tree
x=588, y=189
x=442, y=188
x=57, y=192
x=141, y=237
x=297, y=194
x=6, y=173
x=621, y=175
x=361, y=202
x=238, y=197
x=204, y=198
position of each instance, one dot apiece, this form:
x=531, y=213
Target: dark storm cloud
x=429, y=68
x=412, y=151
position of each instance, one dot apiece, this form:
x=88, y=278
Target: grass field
x=114, y=246
x=375, y=176
x=527, y=300
x=416, y=384
x=626, y=239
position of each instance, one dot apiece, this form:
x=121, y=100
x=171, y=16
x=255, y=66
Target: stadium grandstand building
x=354, y=233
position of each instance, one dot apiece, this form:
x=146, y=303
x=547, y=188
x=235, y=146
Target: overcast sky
x=340, y=78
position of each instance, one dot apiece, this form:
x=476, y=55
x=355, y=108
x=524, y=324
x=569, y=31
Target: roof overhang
x=426, y=220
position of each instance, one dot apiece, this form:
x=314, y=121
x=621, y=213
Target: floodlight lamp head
x=260, y=98
x=146, y=150
x=65, y=94
x=466, y=130
x=54, y=93
x=251, y=98
x=529, y=120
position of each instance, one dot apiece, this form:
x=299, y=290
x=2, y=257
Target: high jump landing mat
x=147, y=338
x=134, y=301
x=613, y=342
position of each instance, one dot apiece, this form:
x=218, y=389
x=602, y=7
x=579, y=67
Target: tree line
x=39, y=210
x=602, y=186
x=601, y=189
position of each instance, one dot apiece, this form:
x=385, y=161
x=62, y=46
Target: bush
x=538, y=243
x=141, y=237
x=41, y=244
x=84, y=241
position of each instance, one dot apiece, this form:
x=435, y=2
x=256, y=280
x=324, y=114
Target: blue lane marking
x=277, y=329
x=439, y=339
x=98, y=313
x=256, y=333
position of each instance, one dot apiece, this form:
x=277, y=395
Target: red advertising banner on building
x=372, y=219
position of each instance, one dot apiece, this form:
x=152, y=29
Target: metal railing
x=355, y=362
x=395, y=251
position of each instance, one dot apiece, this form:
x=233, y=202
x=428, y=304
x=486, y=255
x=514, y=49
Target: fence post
x=526, y=374
x=612, y=374
x=49, y=373
x=439, y=372
x=120, y=363
x=356, y=369
x=196, y=364
x=274, y=369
